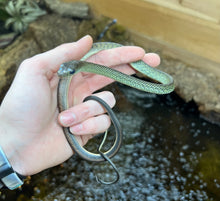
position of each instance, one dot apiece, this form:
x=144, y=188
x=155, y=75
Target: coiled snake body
x=66, y=71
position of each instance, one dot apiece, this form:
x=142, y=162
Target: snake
x=164, y=84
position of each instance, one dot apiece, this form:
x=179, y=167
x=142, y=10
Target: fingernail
x=76, y=129
x=67, y=119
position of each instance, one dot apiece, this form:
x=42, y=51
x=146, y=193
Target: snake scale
x=68, y=69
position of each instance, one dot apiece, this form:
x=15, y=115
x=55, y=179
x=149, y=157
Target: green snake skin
x=66, y=71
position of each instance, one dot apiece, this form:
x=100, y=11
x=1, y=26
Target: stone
x=96, y=26
x=10, y=59
x=44, y=34
x=198, y=85
x=52, y=30
x=75, y=9
x=6, y=39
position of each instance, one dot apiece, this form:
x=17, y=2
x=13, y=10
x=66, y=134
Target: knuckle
x=85, y=111
x=33, y=62
x=63, y=48
x=81, y=112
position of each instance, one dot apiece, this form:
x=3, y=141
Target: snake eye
x=72, y=72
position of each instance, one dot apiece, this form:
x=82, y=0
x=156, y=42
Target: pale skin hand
x=30, y=131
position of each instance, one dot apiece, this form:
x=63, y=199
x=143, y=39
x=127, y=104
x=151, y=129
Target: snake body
x=66, y=71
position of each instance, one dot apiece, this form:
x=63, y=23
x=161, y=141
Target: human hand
x=30, y=130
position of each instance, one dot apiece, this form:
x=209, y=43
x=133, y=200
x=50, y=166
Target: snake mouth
x=64, y=70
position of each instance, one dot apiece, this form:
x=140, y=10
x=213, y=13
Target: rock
x=46, y=33
x=193, y=84
x=10, y=59
x=6, y=39
x=52, y=30
x=76, y=9
x=115, y=33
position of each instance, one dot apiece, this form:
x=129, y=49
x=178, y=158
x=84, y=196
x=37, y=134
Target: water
x=169, y=153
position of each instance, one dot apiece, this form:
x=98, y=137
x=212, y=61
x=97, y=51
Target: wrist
x=10, y=167
x=11, y=147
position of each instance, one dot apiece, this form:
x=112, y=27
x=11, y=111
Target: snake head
x=68, y=68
